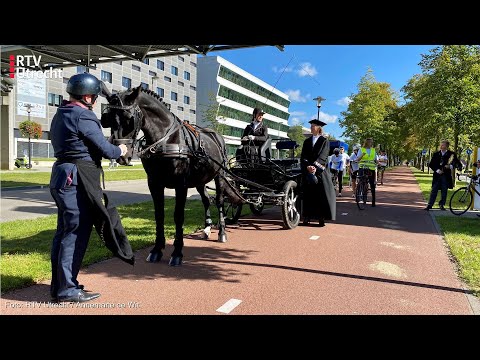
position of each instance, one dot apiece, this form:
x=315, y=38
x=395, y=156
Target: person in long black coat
x=255, y=134
x=443, y=162
x=319, y=200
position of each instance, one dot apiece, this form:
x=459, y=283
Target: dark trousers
x=371, y=181
x=340, y=180
x=74, y=226
x=439, y=184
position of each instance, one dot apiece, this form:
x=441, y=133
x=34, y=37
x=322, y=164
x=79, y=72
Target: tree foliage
x=30, y=129
x=296, y=133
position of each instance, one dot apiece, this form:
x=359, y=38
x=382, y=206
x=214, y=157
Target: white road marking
x=344, y=214
x=315, y=237
x=229, y=306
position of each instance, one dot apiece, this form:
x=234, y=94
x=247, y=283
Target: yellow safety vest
x=368, y=161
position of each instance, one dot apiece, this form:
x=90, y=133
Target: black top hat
x=258, y=111
x=317, y=122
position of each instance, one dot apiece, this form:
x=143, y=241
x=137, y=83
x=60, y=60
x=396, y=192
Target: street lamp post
x=319, y=100
x=29, y=110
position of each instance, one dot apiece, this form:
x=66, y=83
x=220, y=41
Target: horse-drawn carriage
x=264, y=181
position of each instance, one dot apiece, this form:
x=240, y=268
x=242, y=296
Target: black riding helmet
x=83, y=84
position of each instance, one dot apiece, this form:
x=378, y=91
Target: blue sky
x=335, y=72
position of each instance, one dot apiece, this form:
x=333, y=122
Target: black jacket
x=438, y=162
x=260, y=133
x=105, y=218
x=318, y=200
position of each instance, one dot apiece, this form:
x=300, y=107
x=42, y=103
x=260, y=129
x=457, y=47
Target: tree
x=296, y=133
x=444, y=101
x=210, y=115
x=30, y=129
x=372, y=113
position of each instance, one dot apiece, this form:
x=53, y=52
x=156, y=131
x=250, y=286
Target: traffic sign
x=469, y=151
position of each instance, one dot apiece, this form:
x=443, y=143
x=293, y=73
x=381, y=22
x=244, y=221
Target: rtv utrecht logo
x=19, y=68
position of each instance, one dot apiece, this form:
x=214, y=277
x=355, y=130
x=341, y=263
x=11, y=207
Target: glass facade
x=235, y=78
x=248, y=101
x=231, y=113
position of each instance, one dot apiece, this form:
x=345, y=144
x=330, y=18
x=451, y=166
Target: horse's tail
x=230, y=190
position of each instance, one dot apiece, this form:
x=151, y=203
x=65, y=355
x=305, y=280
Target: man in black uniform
x=319, y=200
x=255, y=134
x=76, y=136
x=442, y=164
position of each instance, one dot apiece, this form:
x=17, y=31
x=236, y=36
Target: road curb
x=473, y=301
x=25, y=188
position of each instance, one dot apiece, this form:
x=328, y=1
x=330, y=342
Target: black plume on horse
x=175, y=155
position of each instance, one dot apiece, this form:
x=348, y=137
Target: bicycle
x=361, y=194
x=462, y=199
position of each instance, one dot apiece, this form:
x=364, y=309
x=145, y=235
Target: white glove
x=251, y=137
x=439, y=171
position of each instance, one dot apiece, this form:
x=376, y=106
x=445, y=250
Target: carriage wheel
x=256, y=210
x=290, y=214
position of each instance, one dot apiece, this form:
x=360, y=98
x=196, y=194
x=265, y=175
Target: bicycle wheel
x=461, y=201
x=360, y=196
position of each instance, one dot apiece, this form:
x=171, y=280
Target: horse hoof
x=207, y=231
x=175, y=261
x=222, y=238
x=154, y=257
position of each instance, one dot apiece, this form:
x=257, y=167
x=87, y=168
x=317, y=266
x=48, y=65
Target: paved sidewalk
x=33, y=203
x=383, y=260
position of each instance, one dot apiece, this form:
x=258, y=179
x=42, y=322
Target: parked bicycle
x=462, y=199
x=363, y=186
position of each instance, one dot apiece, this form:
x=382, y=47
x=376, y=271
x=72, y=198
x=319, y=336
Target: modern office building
x=233, y=93
x=174, y=78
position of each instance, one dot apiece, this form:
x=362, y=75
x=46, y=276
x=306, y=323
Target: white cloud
x=298, y=113
x=306, y=69
x=296, y=96
x=277, y=69
x=327, y=118
x=345, y=101
x=295, y=121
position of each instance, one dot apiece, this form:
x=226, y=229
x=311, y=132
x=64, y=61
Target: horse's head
x=124, y=117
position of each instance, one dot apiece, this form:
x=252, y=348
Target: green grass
x=26, y=244
x=463, y=238
x=425, y=182
x=13, y=179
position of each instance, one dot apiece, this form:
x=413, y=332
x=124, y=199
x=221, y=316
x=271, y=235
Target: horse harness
x=160, y=148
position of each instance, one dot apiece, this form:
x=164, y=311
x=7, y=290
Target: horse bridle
x=135, y=113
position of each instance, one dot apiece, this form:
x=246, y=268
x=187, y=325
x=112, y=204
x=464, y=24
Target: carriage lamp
x=319, y=100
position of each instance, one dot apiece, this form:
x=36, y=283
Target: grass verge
x=26, y=244
x=462, y=236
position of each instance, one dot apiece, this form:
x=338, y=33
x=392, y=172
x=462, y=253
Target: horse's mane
x=154, y=95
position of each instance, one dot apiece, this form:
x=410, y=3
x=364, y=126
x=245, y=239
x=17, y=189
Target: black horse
x=175, y=155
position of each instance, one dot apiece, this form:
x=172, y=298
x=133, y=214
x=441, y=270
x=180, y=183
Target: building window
x=192, y=111
x=118, y=62
x=65, y=80
x=136, y=67
x=186, y=99
x=174, y=70
x=160, y=65
x=186, y=75
x=152, y=73
x=193, y=64
x=181, y=58
x=180, y=108
x=106, y=76
x=173, y=96
x=160, y=92
x=126, y=82
x=144, y=85
x=81, y=69
x=54, y=99
x=167, y=79
x=181, y=84
x=146, y=61
x=193, y=88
